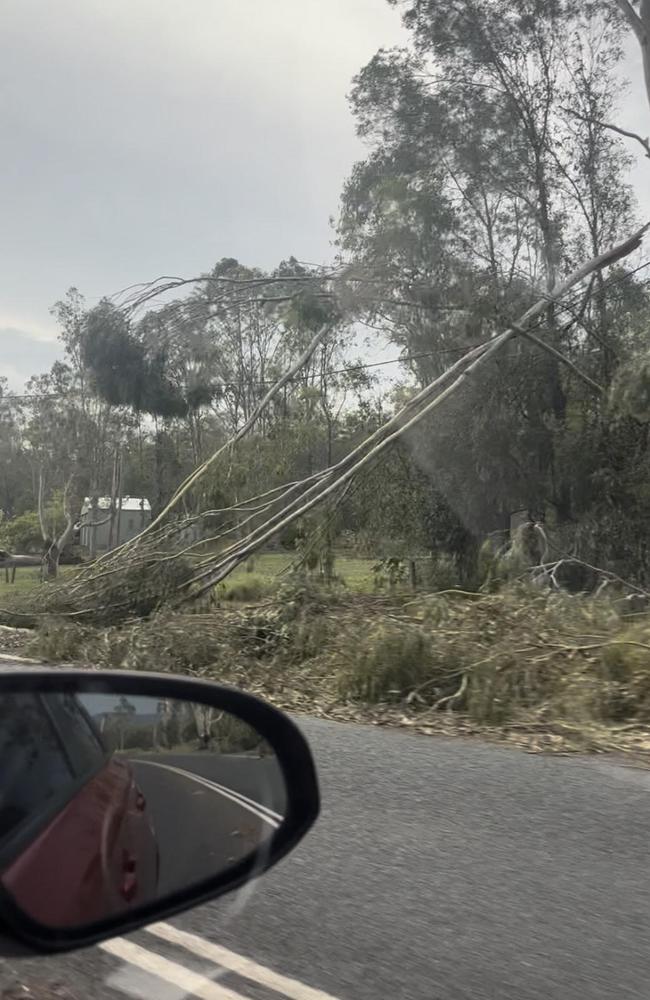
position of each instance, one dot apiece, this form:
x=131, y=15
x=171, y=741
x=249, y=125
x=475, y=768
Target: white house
x=101, y=528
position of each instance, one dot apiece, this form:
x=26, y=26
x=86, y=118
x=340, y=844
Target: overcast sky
x=149, y=137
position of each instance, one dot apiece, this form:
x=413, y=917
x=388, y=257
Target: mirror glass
x=109, y=801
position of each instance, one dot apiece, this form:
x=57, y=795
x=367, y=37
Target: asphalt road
x=214, y=827
x=439, y=869
x=259, y=778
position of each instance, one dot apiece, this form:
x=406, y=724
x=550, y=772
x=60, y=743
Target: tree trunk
x=51, y=562
x=114, y=489
x=94, y=517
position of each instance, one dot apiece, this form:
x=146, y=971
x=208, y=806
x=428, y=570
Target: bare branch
x=97, y=524
x=228, y=561
x=191, y=480
x=321, y=479
x=559, y=357
x=612, y=128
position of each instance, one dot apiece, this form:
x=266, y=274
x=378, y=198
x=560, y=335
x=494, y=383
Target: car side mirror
x=129, y=797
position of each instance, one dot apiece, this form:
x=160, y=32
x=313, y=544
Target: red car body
x=95, y=858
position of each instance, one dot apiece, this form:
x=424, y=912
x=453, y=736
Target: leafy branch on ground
x=562, y=671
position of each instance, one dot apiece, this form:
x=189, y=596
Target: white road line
x=244, y=798
x=253, y=807
x=186, y=980
x=239, y=964
x=215, y=786
x=224, y=788
x=141, y=985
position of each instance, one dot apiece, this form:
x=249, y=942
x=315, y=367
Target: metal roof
x=128, y=503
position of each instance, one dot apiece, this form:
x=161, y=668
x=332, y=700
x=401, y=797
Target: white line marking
x=186, y=980
x=135, y=982
x=239, y=964
x=230, y=792
x=223, y=788
x=253, y=807
x=245, y=798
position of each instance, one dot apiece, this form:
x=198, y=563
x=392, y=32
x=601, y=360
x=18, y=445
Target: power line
x=262, y=382
x=401, y=359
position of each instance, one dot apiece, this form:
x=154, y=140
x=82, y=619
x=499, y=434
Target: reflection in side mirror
x=115, y=803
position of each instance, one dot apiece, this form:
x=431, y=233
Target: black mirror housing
x=161, y=734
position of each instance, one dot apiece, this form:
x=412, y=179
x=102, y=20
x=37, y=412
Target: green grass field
x=273, y=567
x=267, y=570
x=27, y=579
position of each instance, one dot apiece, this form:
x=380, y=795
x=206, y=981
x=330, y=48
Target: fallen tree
x=150, y=569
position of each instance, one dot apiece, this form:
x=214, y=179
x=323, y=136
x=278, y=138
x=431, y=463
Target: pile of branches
x=542, y=669
x=521, y=663
x=104, y=595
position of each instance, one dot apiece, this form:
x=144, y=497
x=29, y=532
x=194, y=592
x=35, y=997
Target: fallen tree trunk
x=220, y=566
x=8, y=560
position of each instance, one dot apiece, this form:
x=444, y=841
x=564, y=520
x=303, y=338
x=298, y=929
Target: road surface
x=440, y=870
x=220, y=808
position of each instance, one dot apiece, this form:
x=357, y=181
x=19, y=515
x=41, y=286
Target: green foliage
x=308, y=311
x=484, y=182
x=233, y=735
x=290, y=536
x=57, y=641
x=244, y=591
x=398, y=513
x=388, y=662
x=630, y=392
x=473, y=132
x=134, y=590
x=125, y=373
x=22, y=534
x=439, y=573
x=515, y=659
x=505, y=659
x=144, y=589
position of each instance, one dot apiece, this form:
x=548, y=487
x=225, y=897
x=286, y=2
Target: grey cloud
x=22, y=355
x=157, y=137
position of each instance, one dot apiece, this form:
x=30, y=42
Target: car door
x=104, y=865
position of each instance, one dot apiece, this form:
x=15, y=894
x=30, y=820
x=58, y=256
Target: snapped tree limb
x=198, y=474
x=562, y=358
x=225, y=563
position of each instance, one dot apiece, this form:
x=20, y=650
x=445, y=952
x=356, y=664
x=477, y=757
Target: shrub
x=439, y=573
x=389, y=661
x=58, y=640
x=290, y=536
x=253, y=588
x=22, y=534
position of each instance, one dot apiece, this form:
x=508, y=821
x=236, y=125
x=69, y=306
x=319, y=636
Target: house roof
x=128, y=503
